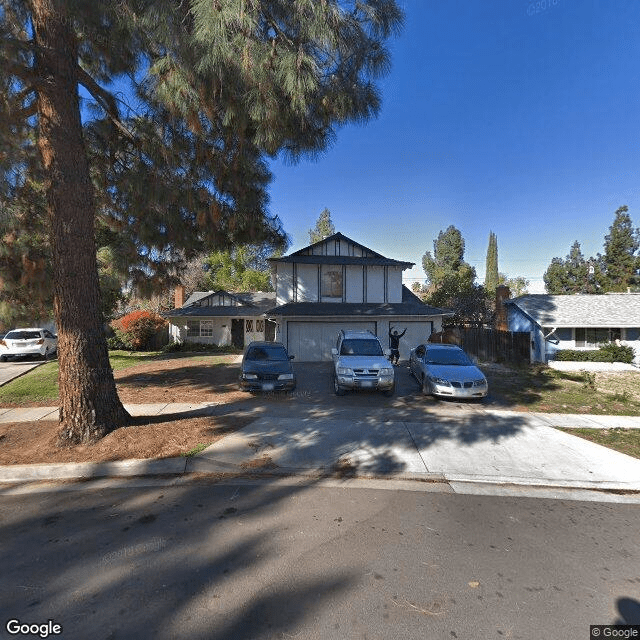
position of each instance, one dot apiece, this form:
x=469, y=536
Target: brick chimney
x=502, y=293
x=179, y=297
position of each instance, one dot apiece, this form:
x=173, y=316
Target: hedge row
x=609, y=352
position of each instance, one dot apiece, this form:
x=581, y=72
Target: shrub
x=138, y=330
x=115, y=344
x=609, y=352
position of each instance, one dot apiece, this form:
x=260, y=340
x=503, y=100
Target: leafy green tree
x=574, y=274
x=452, y=280
x=518, y=286
x=216, y=88
x=621, y=260
x=446, y=267
x=491, y=273
x=323, y=229
x=240, y=269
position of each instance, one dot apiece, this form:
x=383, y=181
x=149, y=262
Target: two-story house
x=338, y=283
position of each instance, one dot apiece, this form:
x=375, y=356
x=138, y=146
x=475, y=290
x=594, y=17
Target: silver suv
x=360, y=363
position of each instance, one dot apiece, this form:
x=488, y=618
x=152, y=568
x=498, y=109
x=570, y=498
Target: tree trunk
x=89, y=404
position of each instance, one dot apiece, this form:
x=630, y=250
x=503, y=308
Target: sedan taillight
x=3, y=343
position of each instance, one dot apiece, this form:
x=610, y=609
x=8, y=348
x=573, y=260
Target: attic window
x=332, y=281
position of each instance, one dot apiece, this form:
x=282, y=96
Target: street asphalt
x=475, y=451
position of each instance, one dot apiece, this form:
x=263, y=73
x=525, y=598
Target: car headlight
x=480, y=383
x=440, y=381
x=249, y=376
x=386, y=371
x=345, y=371
x=285, y=376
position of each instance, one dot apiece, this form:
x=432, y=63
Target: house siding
x=394, y=284
x=307, y=283
x=375, y=284
x=284, y=283
x=354, y=283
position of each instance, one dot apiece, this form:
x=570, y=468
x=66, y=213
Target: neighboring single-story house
x=578, y=321
x=221, y=318
x=338, y=283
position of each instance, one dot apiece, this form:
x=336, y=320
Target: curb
x=191, y=466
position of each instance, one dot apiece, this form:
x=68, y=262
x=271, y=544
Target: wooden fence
x=492, y=345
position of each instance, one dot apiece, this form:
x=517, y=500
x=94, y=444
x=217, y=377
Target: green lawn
x=42, y=383
x=547, y=390
x=623, y=440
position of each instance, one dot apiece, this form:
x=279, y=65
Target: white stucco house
x=221, y=318
x=336, y=284
x=578, y=321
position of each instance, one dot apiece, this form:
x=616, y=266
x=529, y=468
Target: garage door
x=418, y=332
x=313, y=341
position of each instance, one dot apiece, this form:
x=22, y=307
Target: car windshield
x=453, y=357
x=22, y=335
x=364, y=347
x=271, y=354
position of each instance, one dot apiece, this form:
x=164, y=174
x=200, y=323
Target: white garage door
x=313, y=341
x=418, y=332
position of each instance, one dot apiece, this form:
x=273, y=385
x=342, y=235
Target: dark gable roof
x=411, y=305
x=581, y=310
x=250, y=304
x=302, y=257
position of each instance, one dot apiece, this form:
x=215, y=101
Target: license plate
x=269, y=386
x=366, y=383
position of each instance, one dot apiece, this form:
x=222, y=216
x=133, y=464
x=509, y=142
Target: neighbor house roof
x=249, y=304
x=303, y=256
x=581, y=310
x=411, y=305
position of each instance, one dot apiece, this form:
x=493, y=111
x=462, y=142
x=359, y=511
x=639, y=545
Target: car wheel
x=339, y=391
x=3, y=358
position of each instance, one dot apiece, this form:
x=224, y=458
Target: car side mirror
x=291, y=357
x=334, y=352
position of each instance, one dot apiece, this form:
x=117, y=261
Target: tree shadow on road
x=166, y=562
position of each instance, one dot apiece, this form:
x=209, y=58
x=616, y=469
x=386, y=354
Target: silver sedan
x=445, y=370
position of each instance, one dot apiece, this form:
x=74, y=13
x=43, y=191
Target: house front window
x=249, y=326
x=331, y=282
x=199, y=328
x=206, y=328
x=193, y=328
x=260, y=326
x=594, y=336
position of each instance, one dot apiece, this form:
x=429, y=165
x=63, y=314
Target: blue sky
x=516, y=117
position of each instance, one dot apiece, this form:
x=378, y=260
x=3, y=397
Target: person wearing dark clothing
x=394, y=343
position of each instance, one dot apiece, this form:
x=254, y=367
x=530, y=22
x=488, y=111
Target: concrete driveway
x=16, y=368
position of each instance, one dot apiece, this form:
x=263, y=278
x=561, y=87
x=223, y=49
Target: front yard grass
x=622, y=440
x=41, y=384
x=547, y=390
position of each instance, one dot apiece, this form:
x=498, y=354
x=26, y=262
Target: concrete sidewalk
x=474, y=451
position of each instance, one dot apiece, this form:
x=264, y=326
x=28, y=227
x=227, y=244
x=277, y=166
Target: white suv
x=360, y=363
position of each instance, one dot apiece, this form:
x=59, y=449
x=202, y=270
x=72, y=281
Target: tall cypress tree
x=621, y=261
x=491, y=274
x=216, y=88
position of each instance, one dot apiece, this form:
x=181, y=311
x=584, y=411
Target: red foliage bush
x=138, y=329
